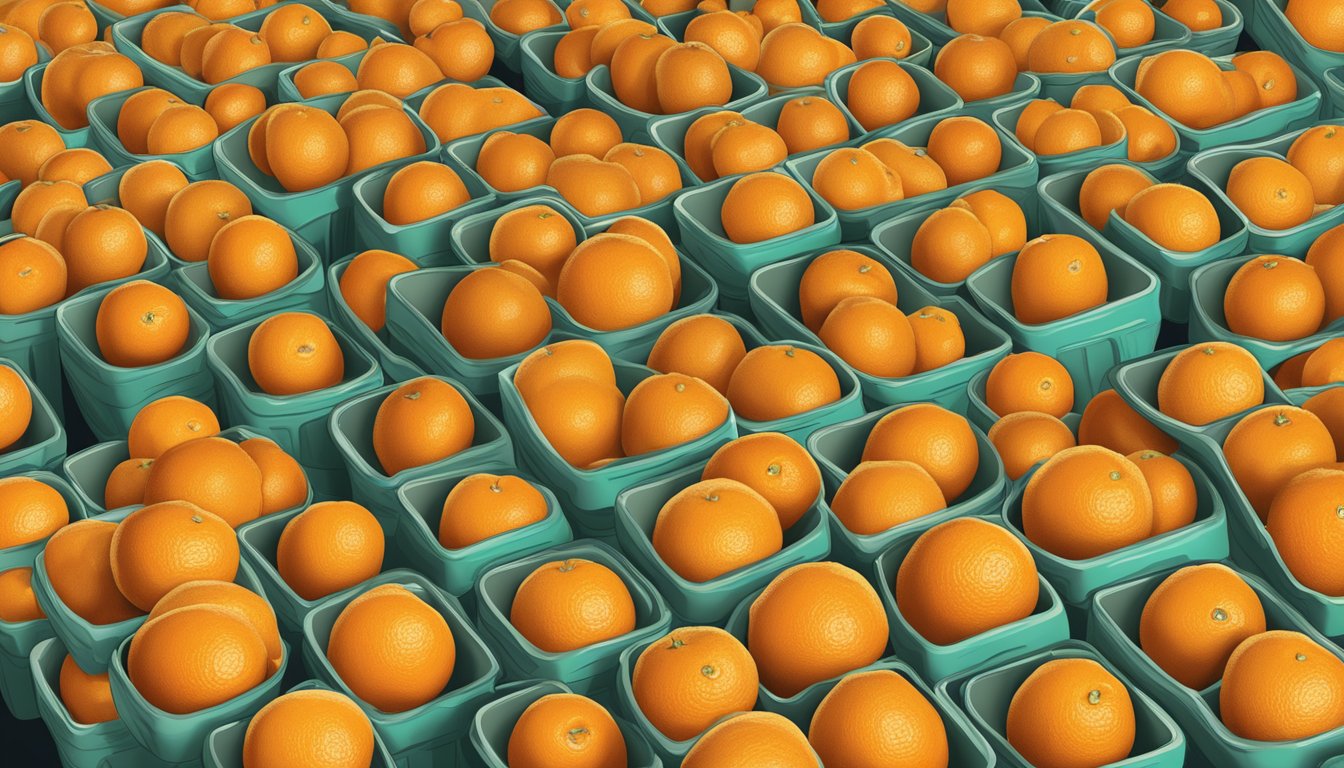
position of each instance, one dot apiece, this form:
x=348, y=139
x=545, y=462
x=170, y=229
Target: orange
x=422, y=190
x=669, y=409
x=1210, y=381
x=948, y=591
x=806, y=123
x=688, y=76
x=511, y=162
x=749, y=739
x=584, y=13
x=162, y=37
x=763, y=206
x=1272, y=445
x=569, y=604
x=307, y=729
x=146, y=190
x=51, y=227
x=76, y=165
x=17, y=602
x=30, y=510
x=1025, y=438
x=222, y=9
x=140, y=324
x=248, y=605
x=1089, y=711
x=714, y=527
x=392, y=649
x=1174, y=216
x=842, y=10
x=163, y=545
x=881, y=93
x=1325, y=366
x=330, y=546
x=250, y=257
x=283, y=482
x=1109, y=188
x=323, y=78
x=774, y=13
x=1070, y=46
x=126, y=483
x=102, y=243
x=1274, y=298
x=1271, y=192
x=656, y=237
x=594, y=187
x=191, y=48
x=1031, y=119
x=1198, y=15
x=199, y=210
x=1326, y=406
x=608, y=37
x=918, y=171
x=878, y=718
x=462, y=49
x=1275, y=83
x=584, y=131
x=32, y=276
x=1150, y=137
x=880, y=495
x=1110, y=422
x=306, y=148
x=976, y=67
x=853, y=179
x=654, y=171
x=167, y=422
x=426, y=15
x=789, y=627
x=837, y=275
x=777, y=381
x=1063, y=511
x=196, y=657
x=537, y=235
x=1244, y=96
x=938, y=440
x=231, y=53
x=1065, y=131
x=871, y=335
x=1029, y=381
x=1057, y=276
x=294, y=352
x=966, y=148
x=794, y=55
x=615, y=281
x=231, y=104
x=35, y=199
x=1300, y=521
x=522, y=16
x=939, y=340
x=397, y=69
x=773, y=465
x=483, y=505
x=1281, y=686
x=571, y=358
x=573, y=57
x=704, y=346
x=634, y=70
x=1186, y=86
x=689, y=679
x=729, y=35
x=1019, y=34
x=17, y=53
x=422, y=421
x=24, y=146
x=700, y=138
x=742, y=146
x=1130, y=22
x=1319, y=154
x=566, y=729
x=1194, y=620
x=981, y=17
x=79, y=74
x=212, y=473
x=16, y=407
x=1288, y=374
x=87, y=697
x=293, y=32
x=579, y=417
x=1172, y=488
x=379, y=135
x=1001, y=216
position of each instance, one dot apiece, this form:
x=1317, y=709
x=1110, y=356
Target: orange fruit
x=191, y=49
x=594, y=187
x=569, y=604
x=918, y=171
x=75, y=165
x=212, y=473
x=1272, y=445
x=51, y=227
x=655, y=172
x=1110, y=422
x=1198, y=15
x=806, y=123
x=462, y=49
x=788, y=626
x=163, y=545
x=566, y=728
x=1150, y=137
x=32, y=276
x=1210, y=381
x=871, y=335
x=1319, y=154
x=87, y=697
x=762, y=206
x=689, y=679
x=16, y=407
x=704, y=346
x=1326, y=406
x=425, y=15
x=250, y=257
x=421, y=191
x=584, y=131
x=340, y=43
x=774, y=13
x=583, y=13
x=30, y=510
x=614, y=281
x=1130, y=22
x=669, y=409
x=656, y=237
x=1275, y=83
x=126, y=483
x=483, y=505
x=879, y=495
x=981, y=17
x=1173, y=490
x=1109, y=188
x=939, y=340
x=713, y=527
x=422, y=421
x=232, y=52
x=26, y=145
x=1031, y=119
x=1244, y=96
x=608, y=37
x=17, y=602
x=378, y=135
x=1288, y=374
x=35, y=199
x=752, y=738
x=1090, y=713
x=832, y=11
x=778, y=381
x=306, y=148
x=1065, y=131
x=794, y=55
x=101, y=243
x=141, y=324
x=323, y=78
x=1029, y=381
x=742, y=146
x=293, y=32
x=894, y=722
x=1025, y=438
x=392, y=649
x=966, y=148
x=1070, y=46
x=729, y=35
x=195, y=658
x=199, y=210
x=1186, y=86
x=494, y=313
x=1001, y=216
x=700, y=138
x=537, y=235
x=1299, y=521
x=579, y=417
x=573, y=57
x=283, y=482
x=248, y=605
x=853, y=179
x=1274, y=298
x=938, y=440
x=81, y=73
x=294, y=352
x=571, y=358
x=363, y=285
x=633, y=65
x=146, y=190
x=330, y=546
x=881, y=93
x=1271, y=192
x=1325, y=366
x=976, y=67
x=161, y=39
x=511, y=162
x=397, y=69
x=522, y=16
x=167, y=422
x=309, y=728
x=1281, y=686
x=1070, y=266
x=1194, y=620
x=1174, y=216
x=774, y=466
x=66, y=24
x=1019, y=34
x=17, y=52
x=231, y=104
x=1062, y=507
x=838, y=275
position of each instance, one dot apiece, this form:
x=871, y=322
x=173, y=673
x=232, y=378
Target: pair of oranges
x=1193, y=90
x=156, y=122
x=954, y=242
x=81, y=73
x=1174, y=216
x=985, y=64
x=1279, y=193
x=454, y=48
x=725, y=143
x=1097, y=115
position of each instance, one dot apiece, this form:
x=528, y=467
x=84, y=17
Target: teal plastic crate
x=79, y=745
x=104, y=112
x=1213, y=167
x=774, y=302
x=23, y=555
x=587, y=495
x=456, y=570
x=1333, y=89
x=1267, y=24
x=43, y=444
x=935, y=96
x=493, y=724
x=731, y=264
x=297, y=423
x=1208, y=285
x=558, y=95
x=1089, y=343
x=224, y=745
x=748, y=89
x=1058, y=196
x=1205, y=538
x=17, y=640
x=14, y=104
x=1048, y=624
x=394, y=367
x=1158, y=741
x=1006, y=120
x=319, y=215
x=838, y=451
x=1114, y=629
x=32, y=86
x=589, y=670
x=708, y=602
x=351, y=427
x=110, y=396
x=424, y=242
x=431, y=733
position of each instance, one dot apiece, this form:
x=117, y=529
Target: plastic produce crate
x=32, y=86
x=14, y=103
x=748, y=89
x=43, y=444
x=1006, y=119
x=394, y=367
x=424, y=242
x=935, y=96
x=104, y=112
x=23, y=555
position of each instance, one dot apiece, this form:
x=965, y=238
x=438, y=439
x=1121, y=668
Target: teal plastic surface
x=351, y=426
x=104, y=112
x=935, y=96
x=1213, y=167
x=588, y=495
x=224, y=745
x=1058, y=197
x=493, y=724
x=1205, y=538
x=17, y=640
x=589, y=670
x=23, y=555
x=1006, y=120
x=708, y=602
x=556, y=94
x=1046, y=626
x=110, y=396
x=1113, y=628
x=14, y=103
x=1158, y=742
x=774, y=302
x=297, y=423
x=430, y=733
x=319, y=215
x=101, y=745
x=731, y=264
x=747, y=90
x=307, y=292
x=32, y=86
x=1089, y=343
x=1208, y=322
x=1333, y=90
x=394, y=367
x=424, y=242
x=456, y=570
x=839, y=449
x=42, y=445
